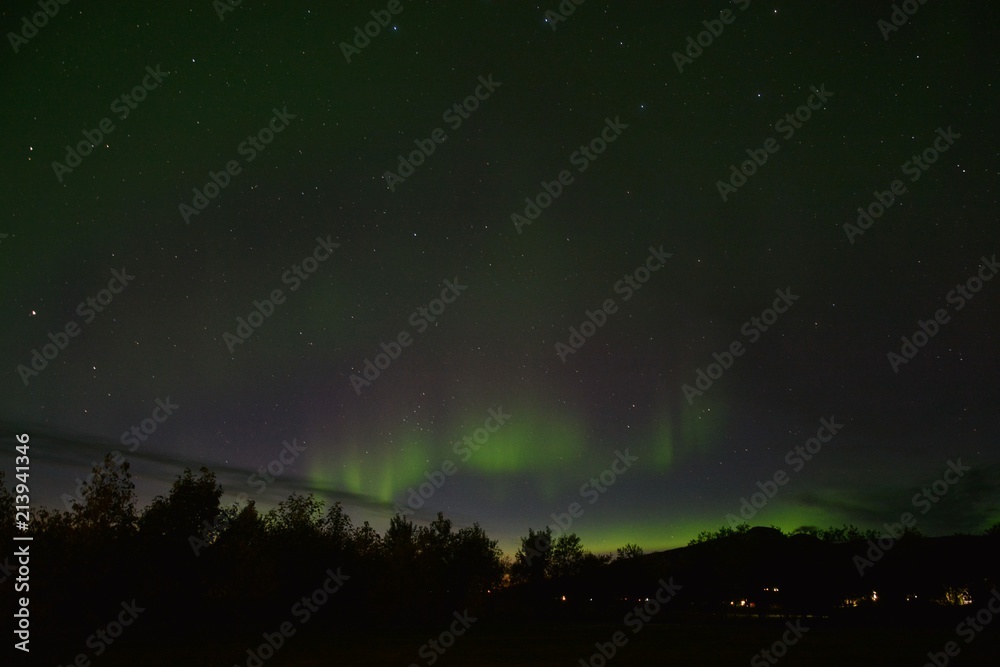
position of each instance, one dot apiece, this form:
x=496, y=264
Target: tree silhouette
x=297, y=516
x=531, y=562
x=723, y=533
x=477, y=562
x=567, y=556
x=629, y=551
x=338, y=529
x=108, y=506
x=190, y=502
x=241, y=570
x=6, y=511
x=245, y=562
x=368, y=543
x=435, y=540
x=399, y=543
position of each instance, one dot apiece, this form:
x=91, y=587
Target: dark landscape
x=357, y=596
x=486, y=332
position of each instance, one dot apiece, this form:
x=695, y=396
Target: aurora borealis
x=272, y=261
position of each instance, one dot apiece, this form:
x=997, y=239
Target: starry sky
x=629, y=138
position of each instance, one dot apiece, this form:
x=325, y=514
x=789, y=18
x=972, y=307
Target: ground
x=660, y=644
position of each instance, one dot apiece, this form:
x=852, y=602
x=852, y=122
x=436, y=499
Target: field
x=656, y=644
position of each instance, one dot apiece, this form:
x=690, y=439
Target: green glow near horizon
x=651, y=534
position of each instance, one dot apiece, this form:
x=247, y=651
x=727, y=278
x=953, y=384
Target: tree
x=629, y=551
x=567, y=554
x=192, y=501
x=702, y=537
x=993, y=531
x=434, y=560
x=53, y=524
x=6, y=510
x=400, y=577
x=531, y=562
x=238, y=556
x=400, y=540
x=337, y=527
x=846, y=533
x=435, y=540
x=591, y=561
x=108, y=500
x=245, y=528
x=724, y=532
x=367, y=542
x=297, y=515
x=477, y=564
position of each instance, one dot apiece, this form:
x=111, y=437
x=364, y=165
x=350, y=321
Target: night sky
x=635, y=132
